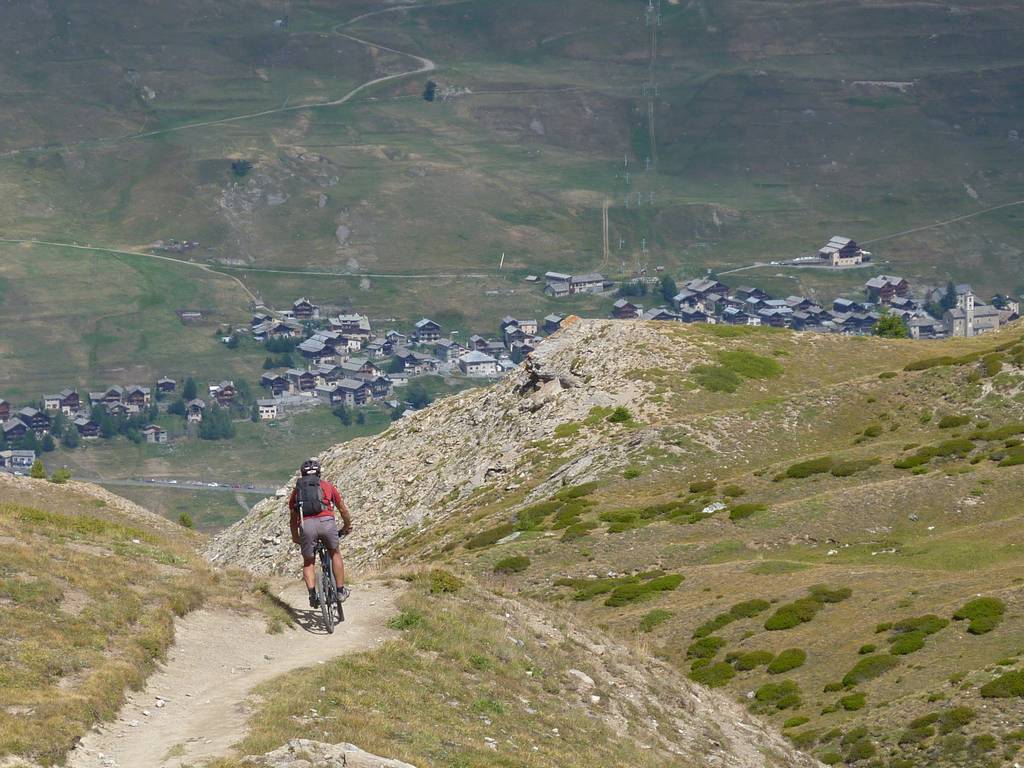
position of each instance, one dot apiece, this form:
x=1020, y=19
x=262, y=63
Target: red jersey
x=331, y=496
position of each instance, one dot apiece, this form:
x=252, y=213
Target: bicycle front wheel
x=324, y=593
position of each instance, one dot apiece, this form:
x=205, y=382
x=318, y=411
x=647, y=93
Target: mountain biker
x=312, y=520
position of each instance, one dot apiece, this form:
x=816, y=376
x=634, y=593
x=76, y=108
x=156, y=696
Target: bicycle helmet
x=310, y=467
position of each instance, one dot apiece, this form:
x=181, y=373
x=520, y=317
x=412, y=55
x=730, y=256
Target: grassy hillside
x=807, y=523
x=90, y=585
x=774, y=126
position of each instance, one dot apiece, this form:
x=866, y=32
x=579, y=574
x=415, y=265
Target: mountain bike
x=327, y=589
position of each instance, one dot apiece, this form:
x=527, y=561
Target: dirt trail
x=217, y=660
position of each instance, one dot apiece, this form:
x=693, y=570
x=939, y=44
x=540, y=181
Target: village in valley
x=341, y=362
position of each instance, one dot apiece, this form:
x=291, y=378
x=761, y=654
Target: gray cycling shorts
x=318, y=529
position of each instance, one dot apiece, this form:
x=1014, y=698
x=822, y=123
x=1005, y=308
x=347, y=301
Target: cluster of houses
x=559, y=284
x=707, y=300
x=79, y=411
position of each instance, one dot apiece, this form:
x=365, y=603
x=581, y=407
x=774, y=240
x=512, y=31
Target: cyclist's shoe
x=343, y=594
x=314, y=601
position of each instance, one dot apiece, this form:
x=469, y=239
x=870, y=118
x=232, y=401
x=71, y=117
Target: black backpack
x=310, y=495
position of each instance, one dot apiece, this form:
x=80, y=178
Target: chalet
x=847, y=306
x=448, y=351
x=166, y=385
x=552, y=323
x=905, y=304
x=924, y=326
x=798, y=303
x=843, y=252
x=136, y=398
x=116, y=409
x=14, y=429
x=352, y=325
x=626, y=310
x=304, y=309
x=591, y=282
x=530, y=327
x=478, y=364
x=328, y=374
x=275, y=383
x=884, y=288
x=375, y=349
x=300, y=381
x=17, y=460
x=194, y=410
x=315, y=350
x=734, y=316
x=712, y=303
x=267, y=409
x=259, y=318
x=521, y=349
x=113, y=395
x=349, y=344
x=685, y=298
x=556, y=284
x=87, y=428
x=477, y=342
x=354, y=392
x=224, y=393
x=512, y=333
x=777, y=317
x=329, y=394
x=34, y=419
x=702, y=286
x=691, y=314
x=415, y=362
x=380, y=386
x=359, y=365
x=660, y=313
x=397, y=339
x=278, y=329
x=426, y=331
x=745, y=291
x=154, y=434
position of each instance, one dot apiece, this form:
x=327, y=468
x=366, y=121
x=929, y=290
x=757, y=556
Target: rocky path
x=195, y=708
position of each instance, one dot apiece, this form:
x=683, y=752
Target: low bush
x=951, y=421
x=956, y=447
x=789, y=659
x=992, y=364
x=983, y=614
x=619, y=416
x=490, y=536
x=862, y=749
x=653, y=619
x=513, y=564
x=796, y=722
x=853, y=702
x=712, y=675
x=631, y=473
x=778, y=696
x=576, y=491
x=955, y=718
x=716, y=378
x=873, y=430
x=868, y=668
x=745, y=610
x=749, y=365
x=888, y=375
x=865, y=649
x=702, y=486
x=741, y=511
x=590, y=588
x=907, y=643
x=916, y=735
x=807, y=468
x=442, y=582
x=1007, y=685
x=636, y=592
x=407, y=619
x=830, y=757
x=578, y=531
x=793, y=614
x=804, y=739
x=826, y=594
x=733, y=491
x=705, y=648
x=853, y=466
x=752, y=660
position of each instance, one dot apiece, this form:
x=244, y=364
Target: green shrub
x=749, y=608
x=789, y=659
x=853, y=702
x=778, y=696
x=956, y=447
x=185, y=520
x=854, y=735
x=873, y=430
x=513, y=564
x=887, y=375
x=1007, y=685
x=733, y=491
x=653, y=619
x=741, y=511
x=619, y=416
x=576, y=491
x=852, y=467
x=749, y=365
x=796, y=722
x=631, y=473
x=992, y=364
x=929, y=719
x=61, y=475
x=578, y=531
x=885, y=626
x=442, y=581
x=865, y=649
x=490, y=536
x=907, y=643
x=407, y=619
x=712, y=675
x=793, y=614
x=868, y=668
x=631, y=593
x=862, y=749
x=916, y=735
x=955, y=718
x=808, y=468
x=705, y=648
x=702, y=486
x=752, y=660
x=804, y=739
x=983, y=613
x=716, y=378
x=951, y=422
x=830, y=758
x=825, y=594
x=589, y=588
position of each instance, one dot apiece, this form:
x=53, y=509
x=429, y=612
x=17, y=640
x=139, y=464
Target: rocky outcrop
x=428, y=463
x=303, y=753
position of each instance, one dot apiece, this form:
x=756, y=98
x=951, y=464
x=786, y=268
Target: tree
x=70, y=439
x=241, y=168
x=233, y=341
x=190, y=389
x=185, y=520
x=890, y=326
x=268, y=363
x=417, y=395
x=948, y=300
x=29, y=442
x=668, y=288
x=108, y=426
x=48, y=445
x=154, y=411
x=343, y=414
x=430, y=91
x=360, y=418
x=254, y=413
x=60, y=476
x=216, y=424
x=633, y=288
x=38, y=471
x=57, y=425
x=395, y=366
x=177, y=408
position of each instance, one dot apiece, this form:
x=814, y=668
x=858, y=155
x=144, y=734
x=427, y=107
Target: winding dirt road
x=217, y=660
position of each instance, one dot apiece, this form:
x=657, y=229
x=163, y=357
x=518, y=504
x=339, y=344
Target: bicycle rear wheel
x=324, y=592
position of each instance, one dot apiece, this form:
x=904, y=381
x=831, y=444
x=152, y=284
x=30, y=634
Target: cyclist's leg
x=307, y=540
x=329, y=536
